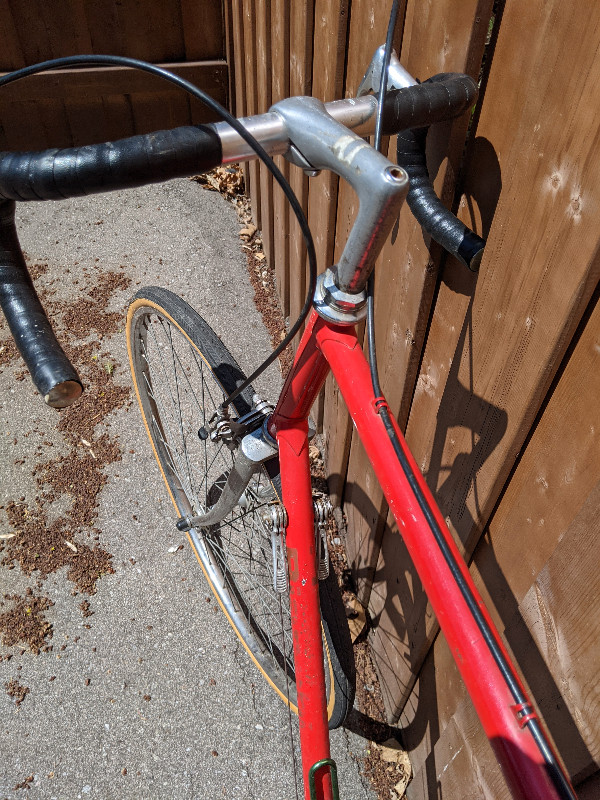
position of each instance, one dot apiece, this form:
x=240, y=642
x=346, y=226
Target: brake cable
x=387, y=54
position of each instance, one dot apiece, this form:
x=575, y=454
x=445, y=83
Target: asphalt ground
x=150, y=695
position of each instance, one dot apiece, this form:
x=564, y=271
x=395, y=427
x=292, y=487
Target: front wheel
x=182, y=372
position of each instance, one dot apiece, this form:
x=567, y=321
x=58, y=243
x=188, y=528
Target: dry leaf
x=391, y=752
x=400, y=787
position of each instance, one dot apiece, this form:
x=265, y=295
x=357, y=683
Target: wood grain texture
x=489, y=351
x=280, y=89
x=553, y=633
x=239, y=64
x=203, y=27
x=543, y=590
x=495, y=341
x=239, y=57
x=331, y=23
x=251, y=92
x=330, y=49
x=263, y=97
x=12, y=56
x=301, y=76
x=103, y=104
x=366, y=31
x=147, y=29
x=228, y=24
x=79, y=84
x=61, y=109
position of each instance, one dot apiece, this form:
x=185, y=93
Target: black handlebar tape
x=448, y=96
x=51, y=371
x=439, y=98
x=433, y=216
x=123, y=164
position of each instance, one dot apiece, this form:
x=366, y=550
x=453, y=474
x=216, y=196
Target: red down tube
x=506, y=723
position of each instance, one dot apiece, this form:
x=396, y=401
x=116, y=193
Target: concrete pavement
x=150, y=696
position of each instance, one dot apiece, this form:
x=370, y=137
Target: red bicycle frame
x=326, y=346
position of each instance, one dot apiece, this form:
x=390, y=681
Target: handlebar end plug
x=63, y=394
x=470, y=250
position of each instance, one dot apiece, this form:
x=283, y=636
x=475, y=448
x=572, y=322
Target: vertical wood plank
x=363, y=500
x=118, y=116
x=229, y=54
x=263, y=83
x=437, y=38
x=547, y=516
x=52, y=126
x=406, y=273
x=301, y=50
x=37, y=30
x=108, y=34
x=67, y=28
x=31, y=31
x=152, y=30
x=280, y=89
x=13, y=54
x=249, y=28
x=153, y=111
x=330, y=38
x=84, y=124
x=239, y=57
x=203, y=27
x=553, y=632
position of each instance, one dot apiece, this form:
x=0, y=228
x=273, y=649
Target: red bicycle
x=237, y=469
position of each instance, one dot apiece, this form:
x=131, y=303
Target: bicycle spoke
x=183, y=392
x=170, y=337
x=168, y=448
x=175, y=415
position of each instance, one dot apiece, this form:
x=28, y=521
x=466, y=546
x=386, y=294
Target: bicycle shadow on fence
x=399, y=605
x=405, y=629
x=460, y=480
x=400, y=597
x=406, y=635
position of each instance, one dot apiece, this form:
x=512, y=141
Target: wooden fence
x=495, y=377
x=76, y=106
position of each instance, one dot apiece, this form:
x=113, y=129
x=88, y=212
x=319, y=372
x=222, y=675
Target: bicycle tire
x=198, y=358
